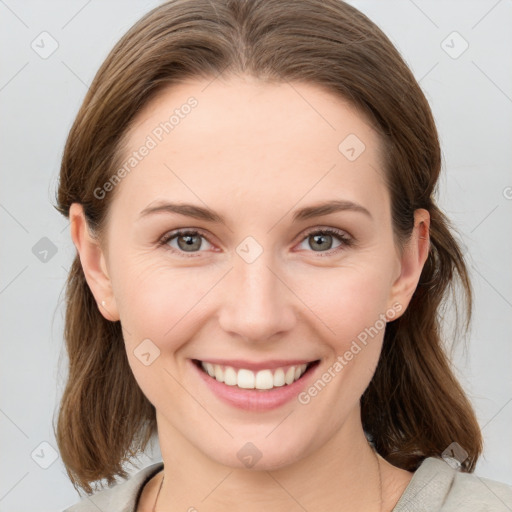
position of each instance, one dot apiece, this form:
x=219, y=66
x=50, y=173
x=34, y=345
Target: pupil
x=189, y=242
x=318, y=240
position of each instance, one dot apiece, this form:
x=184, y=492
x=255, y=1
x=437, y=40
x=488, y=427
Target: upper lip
x=257, y=365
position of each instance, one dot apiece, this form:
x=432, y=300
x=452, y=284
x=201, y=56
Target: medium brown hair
x=414, y=407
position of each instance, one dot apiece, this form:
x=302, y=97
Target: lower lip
x=254, y=399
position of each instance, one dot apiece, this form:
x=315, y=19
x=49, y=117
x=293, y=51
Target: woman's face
x=253, y=283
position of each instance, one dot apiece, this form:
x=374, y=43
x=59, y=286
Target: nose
x=257, y=303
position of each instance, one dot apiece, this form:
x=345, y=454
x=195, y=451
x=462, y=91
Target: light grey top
x=435, y=486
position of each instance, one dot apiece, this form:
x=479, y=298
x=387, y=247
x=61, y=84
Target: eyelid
x=183, y=231
x=326, y=229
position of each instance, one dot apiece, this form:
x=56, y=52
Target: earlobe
x=93, y=262
x=413, y=258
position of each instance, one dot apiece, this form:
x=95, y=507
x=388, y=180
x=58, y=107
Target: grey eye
x=190, y=241
x=322, y=241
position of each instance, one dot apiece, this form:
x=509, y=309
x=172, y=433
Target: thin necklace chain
x=378, y=468
x=380, y=478
x=158, y=493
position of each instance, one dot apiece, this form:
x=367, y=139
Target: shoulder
x=121, y=497
x=436, y=486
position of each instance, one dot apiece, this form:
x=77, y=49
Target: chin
x=259, y=452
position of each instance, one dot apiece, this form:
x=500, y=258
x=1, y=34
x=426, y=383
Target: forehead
x=243, y=137
x=253, y=112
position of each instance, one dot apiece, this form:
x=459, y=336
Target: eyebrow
x=202, y=213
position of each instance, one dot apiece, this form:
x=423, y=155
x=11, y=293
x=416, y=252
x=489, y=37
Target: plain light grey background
x=50, y=52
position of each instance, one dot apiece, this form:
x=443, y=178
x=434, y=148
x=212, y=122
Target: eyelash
x=345, y=240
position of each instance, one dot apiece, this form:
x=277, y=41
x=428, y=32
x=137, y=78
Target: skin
x=254, y=153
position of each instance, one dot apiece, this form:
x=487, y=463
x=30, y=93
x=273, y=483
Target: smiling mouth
x=262, y=380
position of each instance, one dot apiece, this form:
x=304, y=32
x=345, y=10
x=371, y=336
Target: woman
x=221, y=144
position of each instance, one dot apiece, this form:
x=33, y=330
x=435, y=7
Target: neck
x=343, y=475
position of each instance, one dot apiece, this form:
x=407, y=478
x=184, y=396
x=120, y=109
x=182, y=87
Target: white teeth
x=290, y=375
x=209, y=368
x=279, y=377
x=219, y=374
x=264, y=380
x=230, y=377
x=247, y=379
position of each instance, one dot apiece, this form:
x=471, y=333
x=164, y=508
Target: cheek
x=347, y=299
x=156, y=300
x=351, y=312
x=158, y=310
x=349, y=306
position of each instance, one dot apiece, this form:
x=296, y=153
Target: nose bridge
x=256, y=304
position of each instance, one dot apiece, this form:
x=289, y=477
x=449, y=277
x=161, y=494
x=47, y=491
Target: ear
x=93, y=262
x=412, y=260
